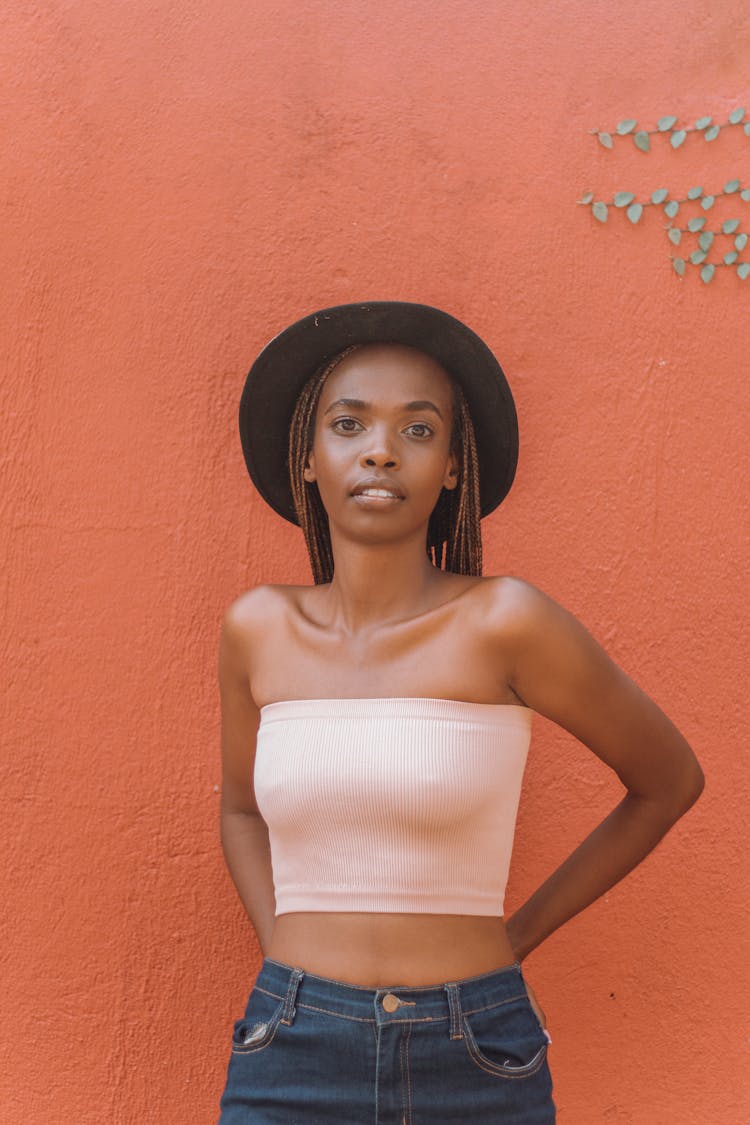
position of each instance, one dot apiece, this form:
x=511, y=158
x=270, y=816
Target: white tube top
x=403, y=805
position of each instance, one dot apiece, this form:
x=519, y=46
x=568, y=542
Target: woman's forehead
x=388, y=370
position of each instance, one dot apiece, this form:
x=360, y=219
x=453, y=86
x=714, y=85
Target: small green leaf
x=705, y=239
x=659, y=195
x=743, y=269
x=729, y=226
x=698, y=256
x=605, y=139
x=732, y=185
x=731, y=258
x=696, y=223
x=677, y=138
x=736, y=115
x=741, y=241
x=671, y=208
x=745, y=195
x=674, y=234
x=746, y=128
x=703, y=122
x=712, y=133
x=707, y=273
x=642, y=140
x=600, y=211
x=695, y=193
x=622, y=198
x=634, y=212
x=625, y=127
x=587, y=197
x=679, y=266
x=664, y=124
x=707, y=202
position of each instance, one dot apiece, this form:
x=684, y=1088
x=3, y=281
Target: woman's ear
x=450, y=480
x=309, y=470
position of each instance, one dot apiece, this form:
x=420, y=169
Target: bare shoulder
x=246, y=623
x=554, y=662
x=261, y=607
x=559, y=670
x=536, y=627
x=253, y=608
x=518, y=608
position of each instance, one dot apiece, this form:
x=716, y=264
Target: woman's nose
x=379, y=452
x=384, y=459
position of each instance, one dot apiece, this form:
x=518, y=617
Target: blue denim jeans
x=314, y=1051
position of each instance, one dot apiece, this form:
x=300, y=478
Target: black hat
x=287, y=362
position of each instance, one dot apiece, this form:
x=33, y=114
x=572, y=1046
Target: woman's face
x=381, y=448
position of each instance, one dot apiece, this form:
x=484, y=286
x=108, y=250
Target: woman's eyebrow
x=358, y=404
x=423, y=404
x=353, y=403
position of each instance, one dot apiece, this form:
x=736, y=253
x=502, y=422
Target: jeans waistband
x=392, y=1004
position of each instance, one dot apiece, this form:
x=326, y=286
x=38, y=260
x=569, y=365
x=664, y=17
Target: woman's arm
x=560, y=671
x=244, y=835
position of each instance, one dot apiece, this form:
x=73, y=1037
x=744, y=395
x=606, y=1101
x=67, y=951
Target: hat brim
x=287, y=362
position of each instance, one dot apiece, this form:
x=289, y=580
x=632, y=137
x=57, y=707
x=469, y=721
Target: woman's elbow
x=696, y=783
x=666, y=800
x=687, y=787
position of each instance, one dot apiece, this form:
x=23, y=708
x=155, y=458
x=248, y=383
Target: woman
x=374, y=734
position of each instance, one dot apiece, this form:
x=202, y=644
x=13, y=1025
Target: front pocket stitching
x=272, y=1027
x=498, y=1069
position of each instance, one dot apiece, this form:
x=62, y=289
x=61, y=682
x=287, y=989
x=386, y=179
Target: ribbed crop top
x=405, y=805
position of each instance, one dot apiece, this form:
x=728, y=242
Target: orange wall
x=180, y=181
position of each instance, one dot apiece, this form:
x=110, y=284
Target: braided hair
x=454, y=538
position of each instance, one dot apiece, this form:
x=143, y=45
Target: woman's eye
x=423, y=430
x=346, y=425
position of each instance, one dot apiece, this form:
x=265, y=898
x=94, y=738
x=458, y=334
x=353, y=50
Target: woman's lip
x=369, y=498
x=375, y=485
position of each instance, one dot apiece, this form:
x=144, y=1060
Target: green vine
x=634, y=208
x=706, y=238
x=665, y=127
x=696, y=225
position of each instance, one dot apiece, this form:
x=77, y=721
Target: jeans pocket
x=506, y=1040
x=258, y=1026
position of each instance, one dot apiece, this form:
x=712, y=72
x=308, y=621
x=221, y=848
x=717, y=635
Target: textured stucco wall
x=179, y=181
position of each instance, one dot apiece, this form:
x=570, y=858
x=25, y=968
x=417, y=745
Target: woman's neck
x=376, y=585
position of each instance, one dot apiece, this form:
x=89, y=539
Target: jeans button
x=390, y=1002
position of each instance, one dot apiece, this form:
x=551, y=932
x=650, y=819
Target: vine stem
x=664, y=202
x=676, y=128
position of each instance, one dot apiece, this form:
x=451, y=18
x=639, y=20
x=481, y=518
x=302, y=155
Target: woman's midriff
x=376, y=950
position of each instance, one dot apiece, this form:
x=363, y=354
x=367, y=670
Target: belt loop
x=454, y=1006
x=289, y=1012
